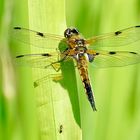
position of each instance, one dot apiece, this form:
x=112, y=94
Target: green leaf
x=57, y=100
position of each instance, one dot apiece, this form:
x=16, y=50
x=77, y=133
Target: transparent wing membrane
x=42, y=60
x=37, y=39
x=115, y=59
x=102, y=58
x=115, y=39
x=73, y=46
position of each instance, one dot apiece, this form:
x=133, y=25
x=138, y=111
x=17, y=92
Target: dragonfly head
x=69, y=32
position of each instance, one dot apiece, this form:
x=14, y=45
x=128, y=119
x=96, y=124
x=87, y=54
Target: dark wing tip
x=40, y=34
x=46, y=54
x=133, y=52
x=17, y=28
x=137, y=26
x=19, y=56
x=112, y=52
x=118, y=32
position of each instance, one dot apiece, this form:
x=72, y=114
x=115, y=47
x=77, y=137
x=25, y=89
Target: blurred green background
x=117, y=90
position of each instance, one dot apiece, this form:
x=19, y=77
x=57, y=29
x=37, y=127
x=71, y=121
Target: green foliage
x=116, y=89
x=58, y=108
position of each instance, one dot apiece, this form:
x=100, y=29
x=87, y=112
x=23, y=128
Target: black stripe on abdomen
x=89, y=94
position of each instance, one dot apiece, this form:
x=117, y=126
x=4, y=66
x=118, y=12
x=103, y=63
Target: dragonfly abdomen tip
x=90, y=94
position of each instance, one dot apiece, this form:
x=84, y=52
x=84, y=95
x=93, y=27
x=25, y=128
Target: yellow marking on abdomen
x=86, y=82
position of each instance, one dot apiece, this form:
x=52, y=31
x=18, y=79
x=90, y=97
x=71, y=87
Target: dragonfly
x=82, y=51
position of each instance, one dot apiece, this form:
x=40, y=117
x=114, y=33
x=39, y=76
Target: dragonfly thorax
x=81, y=56
x=80, y=49
x=80, y=43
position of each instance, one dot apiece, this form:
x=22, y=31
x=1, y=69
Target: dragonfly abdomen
x=86, y=82
x=89, y=93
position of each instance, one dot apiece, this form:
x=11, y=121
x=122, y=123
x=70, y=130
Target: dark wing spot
x=17, y=28
x=19, y=56
x=40, y=34
x=112, y=52
x=118, y=32
x=97, y=53
x=46, y=54
x=133, y=52
x=137, y=26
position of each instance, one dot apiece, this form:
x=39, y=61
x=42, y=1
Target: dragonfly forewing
x=115, y=39
x=37, y=39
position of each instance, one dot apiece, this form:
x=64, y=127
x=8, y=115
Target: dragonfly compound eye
x=69, y=32
x=75, y=31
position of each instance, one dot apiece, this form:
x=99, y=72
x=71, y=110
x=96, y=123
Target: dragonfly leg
x=56, y=66
x=54, y=77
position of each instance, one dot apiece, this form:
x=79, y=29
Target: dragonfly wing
x=41, y=60
x=105, y=59
x=115, y=39
x=38, y=39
